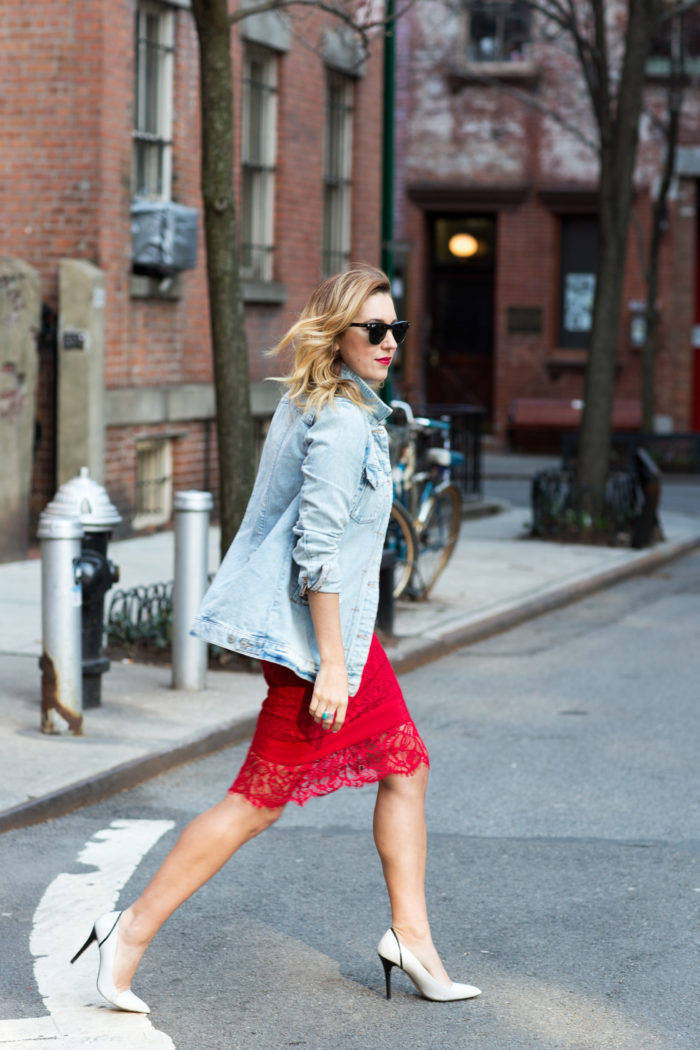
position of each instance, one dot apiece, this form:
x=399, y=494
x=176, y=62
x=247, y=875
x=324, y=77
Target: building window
x=337, y=172
x=259, y=152
x=153, y=497
x=497, y=32
x=676, y=46
x=152, y=156
x=578, y=266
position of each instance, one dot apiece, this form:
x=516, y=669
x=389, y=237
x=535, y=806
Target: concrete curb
x=139, y=770
x=125, y=776
x=430, y=649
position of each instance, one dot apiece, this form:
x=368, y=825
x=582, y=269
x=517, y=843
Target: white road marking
x=78, y=1016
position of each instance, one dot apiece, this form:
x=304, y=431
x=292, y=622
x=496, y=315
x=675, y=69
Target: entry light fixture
x=463, y=245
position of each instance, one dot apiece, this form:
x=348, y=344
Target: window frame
x=337, y=171
x=578, y=338
x=159, y=480
x=153, y=116
x=501, y=60
x=675, y=50
x=258, y=162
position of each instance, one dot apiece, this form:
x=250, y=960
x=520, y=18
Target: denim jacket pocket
x=368, y=501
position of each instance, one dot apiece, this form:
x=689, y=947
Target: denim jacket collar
x=374, y=403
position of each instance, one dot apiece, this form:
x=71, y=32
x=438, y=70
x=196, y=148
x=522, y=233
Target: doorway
x=459, y=358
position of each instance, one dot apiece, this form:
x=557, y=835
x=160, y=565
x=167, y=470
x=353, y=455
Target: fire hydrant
x=84, y=498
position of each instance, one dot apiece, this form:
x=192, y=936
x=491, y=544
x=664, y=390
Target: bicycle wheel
x=401, y=539
x=438, y=534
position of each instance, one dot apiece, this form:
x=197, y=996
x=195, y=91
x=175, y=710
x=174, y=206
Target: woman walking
x=298, y=590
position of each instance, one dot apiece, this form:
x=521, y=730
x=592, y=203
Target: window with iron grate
x=153, y=496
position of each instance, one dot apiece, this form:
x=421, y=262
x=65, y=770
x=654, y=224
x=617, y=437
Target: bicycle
x=427, y=508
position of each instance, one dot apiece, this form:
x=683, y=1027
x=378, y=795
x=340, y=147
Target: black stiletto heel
x=388, y=966
x=88, y=942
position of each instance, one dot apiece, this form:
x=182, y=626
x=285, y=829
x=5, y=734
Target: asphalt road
x=564, y=867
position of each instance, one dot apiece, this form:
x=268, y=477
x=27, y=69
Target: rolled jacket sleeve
x=336, y=450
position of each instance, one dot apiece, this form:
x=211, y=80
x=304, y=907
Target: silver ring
x=325, y=715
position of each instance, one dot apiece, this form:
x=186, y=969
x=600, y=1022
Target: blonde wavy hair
x=314, y=379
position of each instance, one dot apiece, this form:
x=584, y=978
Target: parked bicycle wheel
x=401, y=539
x=439, y=530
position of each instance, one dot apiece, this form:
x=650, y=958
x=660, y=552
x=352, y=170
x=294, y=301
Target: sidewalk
x=496, y=579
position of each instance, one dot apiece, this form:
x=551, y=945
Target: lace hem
x=269, y=784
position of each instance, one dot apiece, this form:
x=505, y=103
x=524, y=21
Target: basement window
x=153, y=496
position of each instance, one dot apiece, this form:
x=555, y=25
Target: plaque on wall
x=525, y=319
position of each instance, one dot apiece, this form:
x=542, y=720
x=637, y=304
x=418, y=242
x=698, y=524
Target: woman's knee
x=413, y=785
x=255, y=818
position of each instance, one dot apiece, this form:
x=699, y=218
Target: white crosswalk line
x=78, y=1016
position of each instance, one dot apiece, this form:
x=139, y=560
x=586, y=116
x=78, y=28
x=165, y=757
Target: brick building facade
x=507, y=314
x=100, y=107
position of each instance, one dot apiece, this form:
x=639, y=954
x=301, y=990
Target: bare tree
x=213, y=23
x=612, y=61
x=229, y=346
x=615, y=89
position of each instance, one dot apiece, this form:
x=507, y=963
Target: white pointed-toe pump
x=106, y=934
x=393, y=953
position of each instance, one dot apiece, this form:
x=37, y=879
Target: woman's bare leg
x=202, y=849
x=401, y=840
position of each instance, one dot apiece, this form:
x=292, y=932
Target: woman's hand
x=329, y=702
x=330, y=697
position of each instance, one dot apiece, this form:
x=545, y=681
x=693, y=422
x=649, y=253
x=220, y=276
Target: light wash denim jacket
x=316, y=521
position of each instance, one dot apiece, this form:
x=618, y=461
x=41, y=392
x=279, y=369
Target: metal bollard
x=61, y=600
x=192, y=511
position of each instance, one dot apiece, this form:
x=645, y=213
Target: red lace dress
x=292, y=758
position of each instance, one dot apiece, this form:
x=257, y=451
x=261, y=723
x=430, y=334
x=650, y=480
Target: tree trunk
x=229, y=348
x=619, y=136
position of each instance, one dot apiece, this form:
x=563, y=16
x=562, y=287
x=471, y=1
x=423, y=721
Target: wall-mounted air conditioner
x=163, y=237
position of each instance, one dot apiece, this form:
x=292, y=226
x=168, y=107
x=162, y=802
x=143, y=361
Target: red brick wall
x=49, y=114
x=66, y=112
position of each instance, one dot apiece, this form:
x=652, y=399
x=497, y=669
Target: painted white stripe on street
x=79, y=1017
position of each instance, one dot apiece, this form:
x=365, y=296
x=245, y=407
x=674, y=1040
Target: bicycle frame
x=424, y=499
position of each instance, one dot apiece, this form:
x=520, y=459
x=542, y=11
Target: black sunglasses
x=376, y=330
